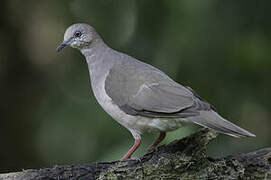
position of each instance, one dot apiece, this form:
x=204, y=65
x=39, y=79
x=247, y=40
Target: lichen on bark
x=181, y=159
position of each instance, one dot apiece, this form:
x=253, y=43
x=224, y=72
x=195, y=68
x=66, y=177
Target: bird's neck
x=96, y=55
x=93, y=51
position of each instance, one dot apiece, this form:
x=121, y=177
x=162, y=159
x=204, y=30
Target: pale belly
x=135, y=124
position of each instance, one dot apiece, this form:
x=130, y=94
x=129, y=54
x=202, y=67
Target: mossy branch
x=182, y=159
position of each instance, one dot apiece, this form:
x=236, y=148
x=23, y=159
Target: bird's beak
x=62, y=45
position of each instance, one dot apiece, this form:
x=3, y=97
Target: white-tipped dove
x=139, y=96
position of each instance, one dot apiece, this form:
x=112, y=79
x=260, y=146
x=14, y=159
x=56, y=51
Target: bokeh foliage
x=48, y=113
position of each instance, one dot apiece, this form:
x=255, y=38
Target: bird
x=139, y=96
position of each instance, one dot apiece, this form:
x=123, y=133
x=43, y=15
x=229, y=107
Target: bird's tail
x=211, y=119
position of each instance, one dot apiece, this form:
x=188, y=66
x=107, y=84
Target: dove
x=139, y=96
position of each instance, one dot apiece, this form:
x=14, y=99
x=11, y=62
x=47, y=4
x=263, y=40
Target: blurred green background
x=49, y=115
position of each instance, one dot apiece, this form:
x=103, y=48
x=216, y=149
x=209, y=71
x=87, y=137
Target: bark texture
x=182, y=159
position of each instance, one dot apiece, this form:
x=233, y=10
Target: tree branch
x=182, y=159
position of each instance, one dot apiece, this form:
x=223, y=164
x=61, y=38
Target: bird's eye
x=77, y=34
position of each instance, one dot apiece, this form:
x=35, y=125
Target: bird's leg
x=157, y=141
x=132, y=150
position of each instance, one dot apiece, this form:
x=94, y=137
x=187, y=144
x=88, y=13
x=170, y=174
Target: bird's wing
x=162, y=98
x=144, y=90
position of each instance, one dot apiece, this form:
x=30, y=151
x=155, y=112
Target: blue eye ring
x=77, y=34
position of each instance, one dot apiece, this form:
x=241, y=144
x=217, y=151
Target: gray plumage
x=138, y=95
x=140, y=89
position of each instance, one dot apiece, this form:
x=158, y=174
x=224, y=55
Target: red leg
x=157, y=141
x=132, y=150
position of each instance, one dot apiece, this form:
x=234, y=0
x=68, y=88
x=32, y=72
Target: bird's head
x=78, y=36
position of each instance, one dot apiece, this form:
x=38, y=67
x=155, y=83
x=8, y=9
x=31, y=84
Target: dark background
x=48, y=114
